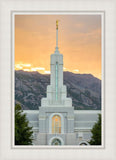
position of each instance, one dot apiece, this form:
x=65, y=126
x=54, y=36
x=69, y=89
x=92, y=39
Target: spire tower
x=56, y=91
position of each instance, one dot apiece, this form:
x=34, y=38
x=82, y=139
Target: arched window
x=83, y=144
x=56, y=124
x=56, y=141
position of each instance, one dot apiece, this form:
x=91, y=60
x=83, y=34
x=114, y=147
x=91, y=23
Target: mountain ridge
x=84, y=89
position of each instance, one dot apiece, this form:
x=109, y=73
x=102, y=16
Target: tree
x=23, y=133
x=96, y=132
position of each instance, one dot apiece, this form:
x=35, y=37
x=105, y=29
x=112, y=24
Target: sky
x=79, y=40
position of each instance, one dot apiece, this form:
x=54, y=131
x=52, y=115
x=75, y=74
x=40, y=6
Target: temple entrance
x=56, y=141
x=83, y=144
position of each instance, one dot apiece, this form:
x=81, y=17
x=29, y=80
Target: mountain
x=84, y=89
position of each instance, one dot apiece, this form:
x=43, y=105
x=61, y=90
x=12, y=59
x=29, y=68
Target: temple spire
x=56, y=33
x=56, y=50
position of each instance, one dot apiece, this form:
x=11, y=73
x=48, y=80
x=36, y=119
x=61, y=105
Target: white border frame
x=102, y=70
x=6, y=152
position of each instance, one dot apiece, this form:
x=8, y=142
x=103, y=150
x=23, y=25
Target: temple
x=56, y=122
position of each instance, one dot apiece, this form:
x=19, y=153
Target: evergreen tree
x=96, y=133
x=23, y=133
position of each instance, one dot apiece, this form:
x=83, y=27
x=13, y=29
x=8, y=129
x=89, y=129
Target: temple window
x=56, y=124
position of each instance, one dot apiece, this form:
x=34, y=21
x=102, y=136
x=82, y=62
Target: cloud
x=18, y=66
x=47, y=72
x=75, y=70
x=26, y=65
x=37, y=69
x=26, y=70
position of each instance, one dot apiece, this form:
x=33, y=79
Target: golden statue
x=56, y=24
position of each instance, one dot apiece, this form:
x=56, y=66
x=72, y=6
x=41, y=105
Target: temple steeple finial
x=56, y=49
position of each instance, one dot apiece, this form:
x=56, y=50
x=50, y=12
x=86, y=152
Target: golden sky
x=79, y=41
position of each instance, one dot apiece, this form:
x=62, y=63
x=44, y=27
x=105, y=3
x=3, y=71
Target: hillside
x=84, y=89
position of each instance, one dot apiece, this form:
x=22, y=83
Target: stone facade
x=77, y=132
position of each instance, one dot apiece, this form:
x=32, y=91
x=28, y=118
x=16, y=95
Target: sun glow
x=31, y=68
x=35, y=41
x=76, y=71
x=43, y=70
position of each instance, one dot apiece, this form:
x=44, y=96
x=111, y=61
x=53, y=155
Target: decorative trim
x=84, y=142
x=56, y=137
